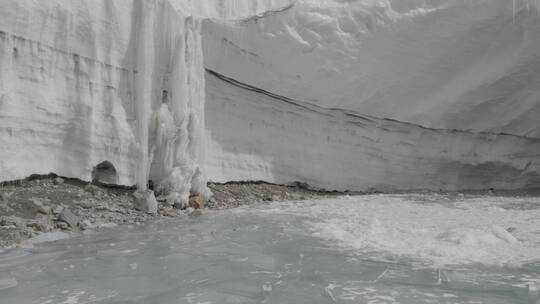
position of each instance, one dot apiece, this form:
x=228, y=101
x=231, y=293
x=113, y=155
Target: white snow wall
x=82, y=82
x=384, y=94
x=257, y=135
x=87, y=81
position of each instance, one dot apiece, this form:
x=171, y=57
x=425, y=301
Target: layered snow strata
x=83, y=82
x=120, y=86
x=257, y=135
x=469, y=65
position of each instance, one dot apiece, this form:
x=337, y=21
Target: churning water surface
x=411, y=249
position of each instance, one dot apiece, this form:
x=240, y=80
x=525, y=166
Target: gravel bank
x=40, y=205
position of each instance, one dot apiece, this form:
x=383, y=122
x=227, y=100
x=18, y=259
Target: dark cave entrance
x=105, y=173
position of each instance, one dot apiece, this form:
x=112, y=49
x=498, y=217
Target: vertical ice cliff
x=84, y=82
x=342, y=94
x=444, y=64
x=357, y=94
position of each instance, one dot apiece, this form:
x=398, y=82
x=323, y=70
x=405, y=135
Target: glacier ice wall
x=257, y=135
x=84, y=82
x=449, y=64
x=397, y=94
x=352, y=94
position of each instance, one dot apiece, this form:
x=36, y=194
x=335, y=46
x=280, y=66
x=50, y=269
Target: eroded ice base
x=367, y=249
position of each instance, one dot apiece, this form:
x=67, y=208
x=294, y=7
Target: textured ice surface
x=254, y=135
x=83, y=82
x=408, y=249
x=446, y=64
x=315, y=84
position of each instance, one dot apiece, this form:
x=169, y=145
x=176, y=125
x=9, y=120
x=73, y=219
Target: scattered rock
x=62, y=225
x=94, y=190
x=197, y=202
x=38, y=202
x=42, y=224
x=171, y=212
x=56, y=210
x=85, y=204
x=145, y=201
x=45, y=210
x=11, y=221
x=195, y=213
x=5, y=196
x=69, y=218
x=51, y=203
x=86, y=224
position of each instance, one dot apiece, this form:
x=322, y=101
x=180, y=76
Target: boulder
x=4, y=196
x=56, y=210
x=46, y=210
x=69, y=218
x=94, y=190
x=11, y=221
x=145, y=201
x=197, y=202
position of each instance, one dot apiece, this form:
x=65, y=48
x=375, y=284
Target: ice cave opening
x=105, y=173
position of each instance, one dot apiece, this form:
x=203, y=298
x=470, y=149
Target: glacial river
x=411, y=249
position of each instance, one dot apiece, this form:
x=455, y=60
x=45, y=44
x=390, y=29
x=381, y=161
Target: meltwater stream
x=421, y=248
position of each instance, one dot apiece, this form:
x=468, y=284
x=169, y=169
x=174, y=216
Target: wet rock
x=5, y=196
x=42, y=224
x=56, y=210
x=38, y=202
x=85, y=204
x=69, y=218
x=86, y=224
x=197, y=202
x=94, y=190
x=46, y=210
x=11, y=221
x=62, y=225
x=170, y=212
x=145, y=201
x=195, y=213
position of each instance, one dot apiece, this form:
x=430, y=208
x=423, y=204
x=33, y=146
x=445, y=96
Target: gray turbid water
x=367, y=249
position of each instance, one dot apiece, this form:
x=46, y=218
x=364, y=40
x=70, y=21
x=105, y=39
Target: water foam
x=435, y=230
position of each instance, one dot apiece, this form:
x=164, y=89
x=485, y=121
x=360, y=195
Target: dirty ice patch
x=432, y=229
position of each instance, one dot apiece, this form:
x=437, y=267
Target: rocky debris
x=42, y=224
x=85, y=224
x=195, y=213
x=94, y=190
x=11, y=221
x=37, y=202
x=4, y=196
x=4, y=203
x=145, y=201
x=42, y=205
x=237, y=194
x=69, y=218
x=56, y=210
x=62, y=225
x=168, y=211
x=46, y=210
x=197, y=202
x=58, y=181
